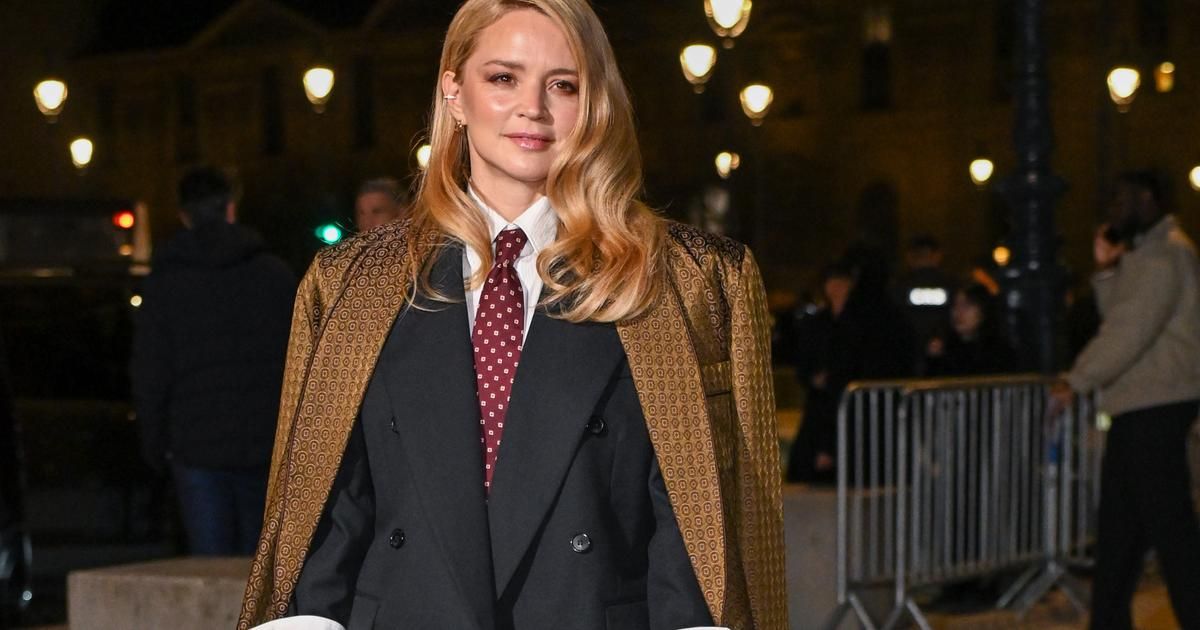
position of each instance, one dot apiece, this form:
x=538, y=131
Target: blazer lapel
x=430, y=377
x=564, y=370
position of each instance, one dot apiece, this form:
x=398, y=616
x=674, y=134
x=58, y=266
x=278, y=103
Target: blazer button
x=581, y=543
x=396, y=540
x=596, y=425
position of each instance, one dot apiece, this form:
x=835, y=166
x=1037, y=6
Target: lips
x=530, y=141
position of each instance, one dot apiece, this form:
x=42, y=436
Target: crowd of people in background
x=864, y=326
x=1135, y=339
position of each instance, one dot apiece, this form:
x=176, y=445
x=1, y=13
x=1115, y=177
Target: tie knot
x=509, y=244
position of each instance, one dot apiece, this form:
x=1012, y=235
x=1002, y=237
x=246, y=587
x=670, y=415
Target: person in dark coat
x=976, y=344
x=860, y=335
x=820, y=336
x=207, y=365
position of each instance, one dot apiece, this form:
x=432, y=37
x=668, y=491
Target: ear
x=451, y=87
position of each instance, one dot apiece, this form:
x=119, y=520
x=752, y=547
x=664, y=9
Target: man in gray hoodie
x=1145, y=360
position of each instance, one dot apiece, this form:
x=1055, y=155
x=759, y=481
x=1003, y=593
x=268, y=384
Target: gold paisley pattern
x=701, y=364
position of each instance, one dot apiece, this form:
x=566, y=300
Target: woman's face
x=966, y=317
x=518, y=95
x=837, y=292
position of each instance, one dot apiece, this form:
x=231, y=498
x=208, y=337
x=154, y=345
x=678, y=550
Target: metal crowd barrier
x=950, y=480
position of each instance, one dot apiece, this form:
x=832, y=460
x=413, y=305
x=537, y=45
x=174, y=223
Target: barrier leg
x=835, y=618
x=914, y=612
x=1053, y=574
x=852, y=603
x=917, y=615
x=1013, y=591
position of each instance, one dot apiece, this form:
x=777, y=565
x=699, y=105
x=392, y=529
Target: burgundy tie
x=499, y=333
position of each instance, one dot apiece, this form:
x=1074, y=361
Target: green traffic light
x=329, y=233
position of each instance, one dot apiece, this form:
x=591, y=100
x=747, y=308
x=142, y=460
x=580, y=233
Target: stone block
x=180, y=594
x=810, y=535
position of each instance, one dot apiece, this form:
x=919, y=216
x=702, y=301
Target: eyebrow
x=514, y=65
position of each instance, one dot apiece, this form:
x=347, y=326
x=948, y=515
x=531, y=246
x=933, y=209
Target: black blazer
x=578, y=533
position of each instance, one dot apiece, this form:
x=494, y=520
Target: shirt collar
x=538, y=221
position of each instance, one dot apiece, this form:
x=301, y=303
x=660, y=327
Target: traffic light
x=123, y=219
x=329, y=233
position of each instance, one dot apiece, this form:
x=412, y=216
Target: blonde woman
x=534, y=403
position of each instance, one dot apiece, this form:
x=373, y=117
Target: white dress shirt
x=541, y=227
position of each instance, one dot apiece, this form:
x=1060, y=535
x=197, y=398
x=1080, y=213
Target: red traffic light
x=123, y=219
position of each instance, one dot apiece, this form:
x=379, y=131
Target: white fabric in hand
x=303, y=622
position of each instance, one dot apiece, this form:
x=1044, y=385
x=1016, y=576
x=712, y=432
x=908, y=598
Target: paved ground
x=1152, y=611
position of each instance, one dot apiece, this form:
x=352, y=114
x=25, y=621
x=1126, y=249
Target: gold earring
x=458, y=125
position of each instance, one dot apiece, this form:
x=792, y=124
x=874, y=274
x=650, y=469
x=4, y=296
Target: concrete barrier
x=810, y=535
x=205, y=593
x=180, y=594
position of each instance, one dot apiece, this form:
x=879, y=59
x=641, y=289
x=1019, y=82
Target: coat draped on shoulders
x=700, y=358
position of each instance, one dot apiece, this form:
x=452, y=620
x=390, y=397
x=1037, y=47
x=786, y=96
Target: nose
x=532, y=103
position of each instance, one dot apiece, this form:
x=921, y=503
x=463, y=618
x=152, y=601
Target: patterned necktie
x=499, y=334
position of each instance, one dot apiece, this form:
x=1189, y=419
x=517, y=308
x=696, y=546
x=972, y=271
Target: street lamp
x=50, y=96
x=756, y=101
x=423, y=153
x=1123, y=83
x=1194, y=178
x=1164, y=77
x=318, y=85
x=981, y=171
x=727, y=162
x=1001, y=255
x=697, y=62
x=728, y=18
x=81, y=152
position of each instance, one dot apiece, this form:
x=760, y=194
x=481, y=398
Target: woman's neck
x=508, y=197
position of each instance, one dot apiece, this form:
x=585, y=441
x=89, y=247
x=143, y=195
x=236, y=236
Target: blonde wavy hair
x=606, y=262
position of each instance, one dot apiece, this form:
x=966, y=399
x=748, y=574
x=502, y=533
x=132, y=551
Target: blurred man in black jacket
x=207, y=365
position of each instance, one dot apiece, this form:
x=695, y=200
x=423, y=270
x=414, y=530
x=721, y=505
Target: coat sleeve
x=327, y=583
x=259, y=604
x=1135, y=310
x=307, y=314
x=761, y=522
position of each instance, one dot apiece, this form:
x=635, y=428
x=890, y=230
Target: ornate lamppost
x=1123, y=84
x=756, y=102
x=82, y=150
x=727, y=162
x=697, y=62
x=981, y=170
x=50, y=96
x=318, y=86
x=727, y=18
x=1033, y=280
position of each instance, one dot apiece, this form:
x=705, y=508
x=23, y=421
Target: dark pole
x=1033, y=281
